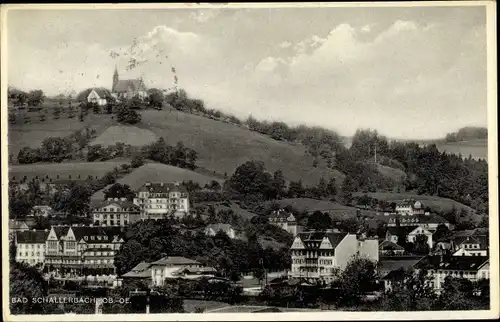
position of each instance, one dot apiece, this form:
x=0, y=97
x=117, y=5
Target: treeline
x=467, y=133
x=56, y=149
x=178, y=155
x=428, y=171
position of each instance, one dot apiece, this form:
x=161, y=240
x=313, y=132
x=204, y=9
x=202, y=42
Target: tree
x=295, y=189
x=331, y=188
x=357, y=279
x=458, y=294
x=28, y=155
x=347, y=190
x=135, y=103
x=420, y=246
x=411, y=291
x=278, y=184
x=250, y=178
x=155, y=98
x=125, y=114
x=57, y=111
x=95, y=152
x=119, y=191
x=35, y=98
x=27, y=283
x=137, y=161
x=319, y=221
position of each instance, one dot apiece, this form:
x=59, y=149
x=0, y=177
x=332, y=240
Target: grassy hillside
x=395, y=174
x=63, y=171
x=32, y=134
x=155, y=172
x=335, y=209
x=126, y=134
x=435, y=203
x=222, y=146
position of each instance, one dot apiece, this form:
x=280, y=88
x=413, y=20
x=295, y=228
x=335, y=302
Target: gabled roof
x=82, y=231
x=317, y=236
x=162, y=187
x=123, y=85
x=15, y=224
x=121, y=203
x=31, y=237
x=175, y=260
x=387, y=244
x=386, y=265
x=471, y=263
x=280, y=214
x=401, y=229
x=473, y=239
x=141, y=270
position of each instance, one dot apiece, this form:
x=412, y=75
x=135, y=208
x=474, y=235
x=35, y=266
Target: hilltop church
x=127, y=88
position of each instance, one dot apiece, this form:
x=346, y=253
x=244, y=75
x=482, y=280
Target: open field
x=126, y=134
x=245, y=214
x=63, y=171
x=32, y=134
x=222, y=147
x=155, y=172
x=336, y=210
x=396, y=175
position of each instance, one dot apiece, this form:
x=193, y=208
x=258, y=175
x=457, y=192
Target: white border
x=490, y=6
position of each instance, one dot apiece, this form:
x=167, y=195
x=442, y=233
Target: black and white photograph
x=209, y=161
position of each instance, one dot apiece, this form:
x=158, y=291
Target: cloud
x=285, y=44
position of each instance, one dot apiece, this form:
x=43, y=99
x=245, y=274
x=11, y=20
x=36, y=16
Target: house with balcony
x=157, y=200
x=82, y=250
x=319, y=255
x=115, y=212
x=473, y=245
x=173, y=267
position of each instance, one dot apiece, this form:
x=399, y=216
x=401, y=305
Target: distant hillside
x=467, y=133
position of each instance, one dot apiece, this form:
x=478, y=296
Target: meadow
x=63, y=171
x=437, y=204
x=336, y=210
x=126, y=134
x=32, y=134
x=222, y=147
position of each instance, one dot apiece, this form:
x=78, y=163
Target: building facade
x=115, y=212
x=410, y=207
x=284, y=220
x=82, y=250
x=411, y=232
x=438, y=268
x=319, y=255
x=475, y=245
x=124, y=89
x=30, y=246
x=169, y=266
x=158, y=200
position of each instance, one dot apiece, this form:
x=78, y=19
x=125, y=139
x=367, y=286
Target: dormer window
x=85, y=237
x=92, y=237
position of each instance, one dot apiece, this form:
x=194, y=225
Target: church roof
x=124, y=84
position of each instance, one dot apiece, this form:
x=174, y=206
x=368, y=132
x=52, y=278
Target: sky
x=408, y=72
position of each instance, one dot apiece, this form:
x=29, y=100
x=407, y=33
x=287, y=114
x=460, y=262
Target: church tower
x=115, y=79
